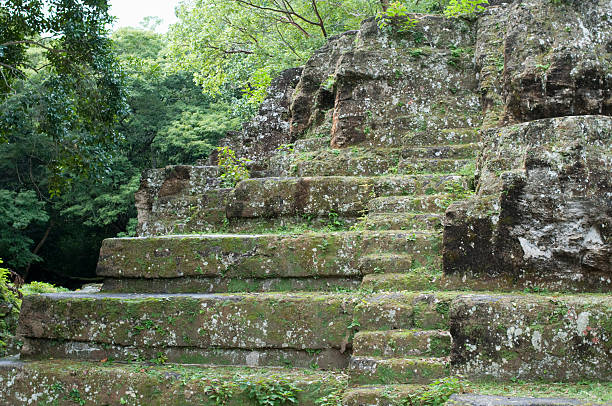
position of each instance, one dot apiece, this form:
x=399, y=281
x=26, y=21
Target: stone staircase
x=216, y=278
x=327, y=259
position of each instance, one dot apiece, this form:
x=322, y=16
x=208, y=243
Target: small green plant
x=270, y=391
x=396, y=17
x=438, y=392
x=464, y=8
x=289, y=148
x=416, y=52
x=160, y=359
x=220, y=392
x=335, y=222
x=232, y=169
x=332, y=399
x=329, y=83
x=75, y=396
x=543, y=67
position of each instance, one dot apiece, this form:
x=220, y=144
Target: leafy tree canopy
x=242, y=44
x=70, y=94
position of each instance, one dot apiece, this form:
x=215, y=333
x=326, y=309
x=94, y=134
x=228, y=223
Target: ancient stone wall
x=542, y=214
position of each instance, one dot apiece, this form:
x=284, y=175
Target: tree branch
x=278, y=10
x=30, y=42
x=321, y=24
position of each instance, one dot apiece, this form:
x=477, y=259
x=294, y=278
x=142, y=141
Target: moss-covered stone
x=43, y=349
x=532, y=337
x=435, y=203
x=400, y=343
x=404, y=310
x=360, y=161
x=70, y=383
x=245, y=321
x=403, y=221
x=541, y=216
x=388, y=371
x=416, y=279
x=319, y=196
x=230, y=285
x=335, y=254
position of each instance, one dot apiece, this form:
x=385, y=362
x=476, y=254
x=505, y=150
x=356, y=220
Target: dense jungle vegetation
x=83, y=109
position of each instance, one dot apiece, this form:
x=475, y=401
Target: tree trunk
x=38, y=247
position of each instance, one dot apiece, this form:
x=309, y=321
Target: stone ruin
x=424, y=204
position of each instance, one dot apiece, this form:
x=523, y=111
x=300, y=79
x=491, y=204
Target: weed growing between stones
x=232, y=169
x=266, y=391
x=437, y=392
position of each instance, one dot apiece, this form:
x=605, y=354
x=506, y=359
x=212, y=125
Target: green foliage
x=437, y=393
x=9, y=309
x=396, y=17
x=18, y=212
x=172, y=121
x=220, y=392
x=33, y=288
x=464, y=8
x=332, y=399
x=232, y=169
x=194, y=134
x=272, y=391
x=265, y=391
x=6, y=294
x=70, y=95
x=238, y=46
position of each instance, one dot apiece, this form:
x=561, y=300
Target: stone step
x=424, y=204
x=446, y=136
x=231, y=285
x=404, y=310
x=184, y=212
x=41, y=349
x=61, y=382
x=388, y=371
x=321, y=195
x=358, y=161
x=414, y=166
x=403, y=221
x=394, y=395
x=380, y=395
x=264, y=256
x=402, y=343
x=311, y=144
x=383, y=263
x=415, y=279
x=252, y=329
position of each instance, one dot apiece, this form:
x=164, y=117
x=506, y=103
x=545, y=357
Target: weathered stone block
x=532, y=337
x=68, y=383
x=318, y=196
x=256, y=256
x=404, y=310
x=246, y=321
x=542, y=216
x=401, y=343
x=372, y=371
